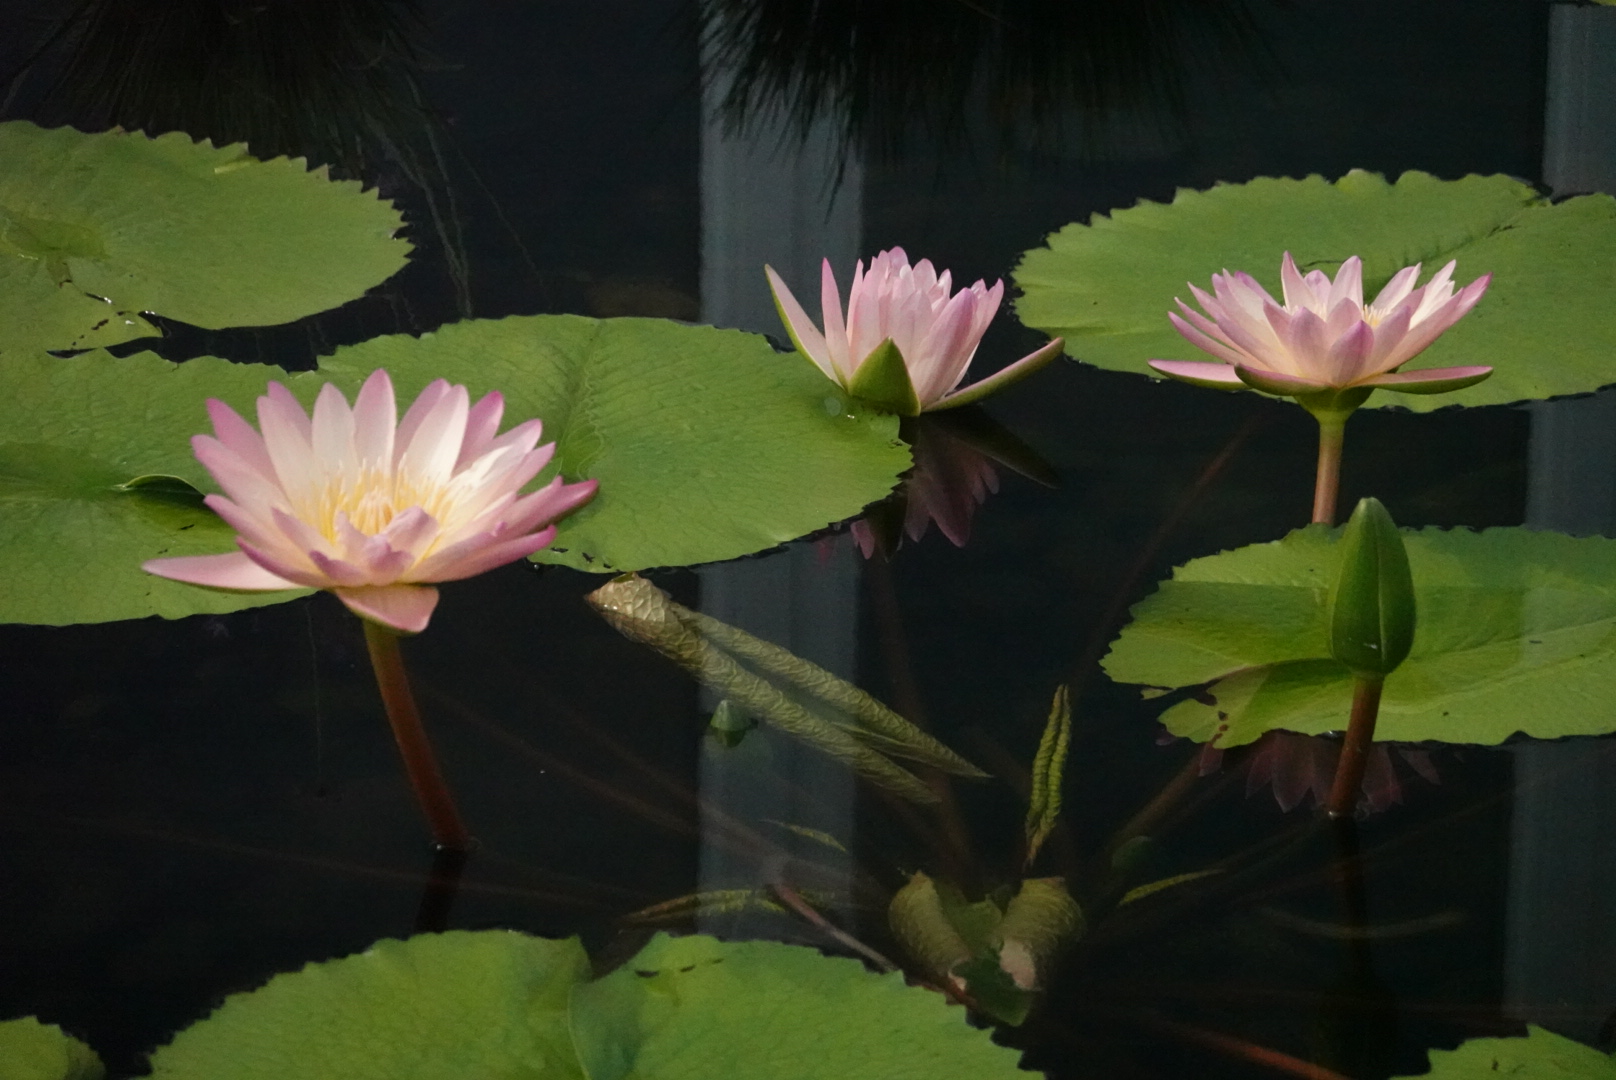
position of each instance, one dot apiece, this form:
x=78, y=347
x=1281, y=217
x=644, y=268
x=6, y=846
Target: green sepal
x=1371, y=613
x=883, y=380
x=1007, y=376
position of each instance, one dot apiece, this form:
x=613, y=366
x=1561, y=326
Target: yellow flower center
x=373, y=498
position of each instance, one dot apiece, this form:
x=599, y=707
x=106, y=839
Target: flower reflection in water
x=1297, y=766
x=955, y=471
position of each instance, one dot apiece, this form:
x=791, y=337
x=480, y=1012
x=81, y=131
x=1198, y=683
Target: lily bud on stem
x=1371, y=619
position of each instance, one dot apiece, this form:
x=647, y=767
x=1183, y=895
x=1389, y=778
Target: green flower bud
x=1371, y=608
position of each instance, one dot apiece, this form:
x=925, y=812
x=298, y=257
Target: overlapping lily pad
x=1538, y=1055
x=495, y=1004
x=30, y=1050
x=1516, y=633
x=95, y=229
x=1544, y=324
x=708, y=445
x=74, y=433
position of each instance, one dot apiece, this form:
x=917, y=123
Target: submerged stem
x=1349, y=769
x=1327, y=484
x=420, y=763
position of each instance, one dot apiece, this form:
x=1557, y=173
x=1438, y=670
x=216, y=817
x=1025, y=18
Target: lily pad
x=502, y=1006
x=490, y=1004
x=1516, y=633
x=691, y=1008
x=1538, y=1055
x=97, y=228
x=1544, y=325
x=96, y=476
x=708, y=444
x=30, y=1050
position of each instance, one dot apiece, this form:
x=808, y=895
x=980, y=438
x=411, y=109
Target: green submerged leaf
x=694, y=1008
x=496, y=1005
x=1544, y=324
x=95, y=229
x=1538, y=1055
x=708, y=444
x=30, y=1050
x=1517, y=632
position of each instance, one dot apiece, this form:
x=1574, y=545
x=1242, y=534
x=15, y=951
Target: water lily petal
x=425, y=402
x=1430, y=380
x=240, y=479
x=1207, y=337
x=333, y=439
x=434, y=445
x=1397, y=289
x=1348, y=285
x=479, y=554
x=1002, y=378
x=945, y=352
x=234, y=571
x=482, y=425
x=406, y=608
x=269, y=560
x=375, y=416
x=554, y=500
x=1199, y=373
x=804, y=335
x=1347, y=358
x=340, y=572
x=287, y=430
x=1274, y=382
x=239, y=437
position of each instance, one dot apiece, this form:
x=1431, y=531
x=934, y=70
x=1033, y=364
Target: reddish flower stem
x=1327, y=485
x=1349, y=769
x=420, y=763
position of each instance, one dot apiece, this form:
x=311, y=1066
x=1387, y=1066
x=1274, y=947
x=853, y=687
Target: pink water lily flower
x=907, y=339
x=1324, y=338
x=369, y=507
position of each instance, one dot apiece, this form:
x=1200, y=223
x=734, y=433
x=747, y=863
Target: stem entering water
x=1349, y=769
x=420, y=763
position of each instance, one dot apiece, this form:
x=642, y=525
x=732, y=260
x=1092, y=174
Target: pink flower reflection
x=1297, y=766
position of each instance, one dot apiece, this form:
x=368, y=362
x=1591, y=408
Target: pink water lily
x=1324, y=338
x=372, y=508
x=909, y=311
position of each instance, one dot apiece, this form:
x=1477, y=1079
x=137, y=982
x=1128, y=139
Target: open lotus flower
x=370, y=507
x=906, y=341
x=1325, y=339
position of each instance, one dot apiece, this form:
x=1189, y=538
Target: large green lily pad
x=1538, y=1055
x=1544, y=325
x=95, y=229
x=30, y=1050
x=73, y=530
x=1516, y=633
x=502, y=1006
x=707, y=443
x=490, y=1005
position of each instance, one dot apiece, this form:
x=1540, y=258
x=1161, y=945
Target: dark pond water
x=188, y=807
